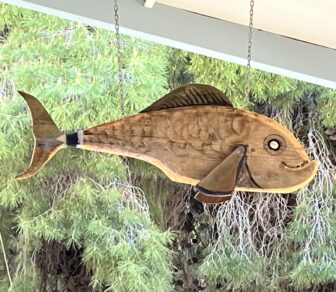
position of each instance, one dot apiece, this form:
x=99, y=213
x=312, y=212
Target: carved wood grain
x=187, y=143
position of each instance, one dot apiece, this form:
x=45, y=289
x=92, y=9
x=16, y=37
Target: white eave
x=182, y=24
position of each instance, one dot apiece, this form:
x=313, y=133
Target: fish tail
x=48, y=138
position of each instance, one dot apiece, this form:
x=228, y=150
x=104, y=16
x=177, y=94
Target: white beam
x=149, y=3
x=200, y=34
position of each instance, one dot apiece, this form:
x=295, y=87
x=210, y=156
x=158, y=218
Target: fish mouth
x=300, y=166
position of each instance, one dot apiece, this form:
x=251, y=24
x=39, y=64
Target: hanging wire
x=119, y=61
x=5, y=259
x=120, y=74
x=249, y=53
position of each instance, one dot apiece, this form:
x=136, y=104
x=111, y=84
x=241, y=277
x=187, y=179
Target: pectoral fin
x=219, y=184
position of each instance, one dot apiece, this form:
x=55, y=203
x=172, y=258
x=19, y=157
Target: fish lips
x=300, y=166
x=312, y=164
x=306, y=171
x=289, y=178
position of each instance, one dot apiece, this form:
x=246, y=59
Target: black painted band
x=72, y=139
x=208, y=192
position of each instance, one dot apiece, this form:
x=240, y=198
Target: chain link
x=249, y=54
x=119, y=60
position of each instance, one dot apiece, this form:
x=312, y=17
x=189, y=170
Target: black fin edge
x=208, y=192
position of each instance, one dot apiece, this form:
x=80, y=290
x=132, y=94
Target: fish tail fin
x=48, y=138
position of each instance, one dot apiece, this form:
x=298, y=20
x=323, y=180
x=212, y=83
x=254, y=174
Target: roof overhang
x=201, y=34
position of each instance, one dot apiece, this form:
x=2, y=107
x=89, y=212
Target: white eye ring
x=274, y=144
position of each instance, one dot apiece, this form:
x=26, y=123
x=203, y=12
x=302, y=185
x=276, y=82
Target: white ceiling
x=307, y=20
x=312, y=21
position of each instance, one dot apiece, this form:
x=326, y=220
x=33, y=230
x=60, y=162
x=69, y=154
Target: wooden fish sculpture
x=195, y=136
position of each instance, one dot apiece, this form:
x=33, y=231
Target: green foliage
x=246, y=255
x=80, y=199
x=279, y=93
x=312, y=232
x=118, y=239
x=327, y=107
x=26, y=281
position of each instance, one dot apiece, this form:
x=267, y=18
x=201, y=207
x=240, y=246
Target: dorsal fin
x=189, y=95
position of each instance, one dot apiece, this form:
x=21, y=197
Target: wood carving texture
x=193, y=134
x=187, y=143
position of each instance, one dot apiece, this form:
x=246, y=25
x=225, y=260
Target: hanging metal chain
x=119, y=62
x=249, y=53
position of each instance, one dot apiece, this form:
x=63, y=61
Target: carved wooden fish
x=195, y=136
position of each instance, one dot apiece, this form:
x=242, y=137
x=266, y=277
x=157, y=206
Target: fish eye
x=274, y=143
